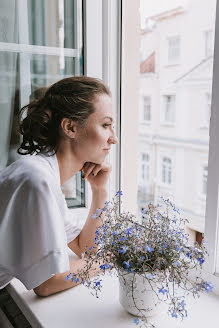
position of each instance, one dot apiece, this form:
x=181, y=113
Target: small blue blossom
x=164, y=245
x=106, y=203
x=176, y=263
x=144, y=211
x=123, y=249
x=189, y=255
x=98, y=211
x=162, y=290
x=129, y=231
x=136, y=321
x=148, y=248
x=143, y=258
x=119, y=193
x=201, y=260
x=208, y=286
x=114, y=242
x=105, y=266
x=174, y=314
x=127, y=264
x=97, y=283
x=94, y=216
x=123, y=238
x=75, y=279
x=149, y=276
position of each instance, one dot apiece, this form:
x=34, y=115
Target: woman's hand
x=97, y=174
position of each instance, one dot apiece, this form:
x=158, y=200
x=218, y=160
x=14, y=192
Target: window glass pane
x=40, y=43
x=182, y=94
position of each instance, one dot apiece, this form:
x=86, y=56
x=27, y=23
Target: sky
x=153, y=7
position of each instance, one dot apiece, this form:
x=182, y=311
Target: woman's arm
x=97, y=175
x=59, y=283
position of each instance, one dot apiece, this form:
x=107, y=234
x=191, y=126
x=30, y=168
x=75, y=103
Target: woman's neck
x=69, y=165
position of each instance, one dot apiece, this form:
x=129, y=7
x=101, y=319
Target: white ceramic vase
x=144, y=296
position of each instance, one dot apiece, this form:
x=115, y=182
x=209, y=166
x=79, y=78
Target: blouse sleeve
x=34, y=235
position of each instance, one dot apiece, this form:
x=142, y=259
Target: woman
x=69, y=129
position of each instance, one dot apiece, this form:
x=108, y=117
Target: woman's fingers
x=88, y=169
x=105, y=166
x=95, y=168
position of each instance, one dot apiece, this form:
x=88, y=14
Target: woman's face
x=93, y=142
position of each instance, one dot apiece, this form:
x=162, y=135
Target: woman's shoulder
x=28, y=170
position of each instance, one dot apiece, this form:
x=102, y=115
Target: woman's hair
x=72, y=98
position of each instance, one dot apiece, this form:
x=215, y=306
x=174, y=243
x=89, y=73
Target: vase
x=137, y=296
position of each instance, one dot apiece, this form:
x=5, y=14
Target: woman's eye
x=106, y=125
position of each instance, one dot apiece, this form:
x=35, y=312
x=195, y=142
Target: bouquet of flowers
x=154, y=246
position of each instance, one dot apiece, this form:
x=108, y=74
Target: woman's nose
x=113, y=139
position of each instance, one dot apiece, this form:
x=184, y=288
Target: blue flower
x=189, y=255
x=150, y=276
x=208, y=286
x=129, y=231
x=162, y=290
x=127, y=264
x=123, y=238
x=144, y=211
x=136, y=321
x=98, y=211
x=105, y=266
x=143, y=258
x=90, y=248
x=119, y=193
x=97, y=283
x=201, y=260
x=164, y=245
x=148, y=248
x=114, y=233
x=94, y=216
x=114, y=242
x=174, y=314
x=68, y=277
x=123, y=249
x=106, y=203
x=176, y=263
x=75, y=279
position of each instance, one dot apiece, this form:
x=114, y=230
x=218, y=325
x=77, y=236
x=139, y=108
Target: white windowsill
x=68, y=308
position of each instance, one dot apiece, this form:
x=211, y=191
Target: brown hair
x=71, y=98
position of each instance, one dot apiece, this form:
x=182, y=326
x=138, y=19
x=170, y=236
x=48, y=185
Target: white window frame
x=168, y=170
x=102, y=60
x=164, y=121
x=146, y=102
x=208, y=42
x=212, y=197
x=145, y=167
x=175, y=60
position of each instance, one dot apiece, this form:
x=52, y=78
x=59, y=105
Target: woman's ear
x=69, y=127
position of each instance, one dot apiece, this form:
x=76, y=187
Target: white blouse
x=35, y=222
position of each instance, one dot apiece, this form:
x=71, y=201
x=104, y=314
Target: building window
x=166, y=170
x=173, y=49
x=146, y=108
x=204, y=180
x=209, y=43
x=207, y=108
x=145, y=167
x=169, y=109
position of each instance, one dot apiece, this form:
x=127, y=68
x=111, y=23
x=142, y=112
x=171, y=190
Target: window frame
x=164, y=107
x=212, y=196
x=144, y=111
x=173, y=61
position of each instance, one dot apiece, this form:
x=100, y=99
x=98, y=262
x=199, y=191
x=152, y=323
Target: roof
x=148, y=65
